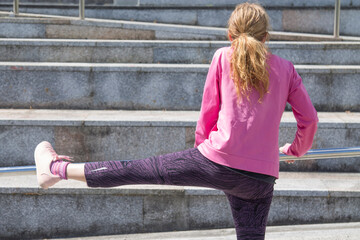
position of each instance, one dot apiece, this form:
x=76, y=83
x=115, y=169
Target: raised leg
x=76, y=171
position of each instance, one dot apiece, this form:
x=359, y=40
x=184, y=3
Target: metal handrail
x=310, y=155
x=325, y=154
x=82, y=14
x=81, y=8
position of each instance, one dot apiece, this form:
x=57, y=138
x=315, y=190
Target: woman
x=236, y=139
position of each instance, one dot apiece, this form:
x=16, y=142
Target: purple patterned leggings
x=249, y=198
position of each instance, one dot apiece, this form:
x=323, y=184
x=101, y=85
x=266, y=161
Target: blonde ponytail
x=248, y=26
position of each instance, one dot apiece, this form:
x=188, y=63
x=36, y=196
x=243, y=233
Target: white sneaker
x=44, y=155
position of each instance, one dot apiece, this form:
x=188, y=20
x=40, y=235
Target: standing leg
x=250, y=216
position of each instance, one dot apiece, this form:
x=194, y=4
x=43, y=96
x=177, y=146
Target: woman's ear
x=230, y=37
x=265, y=37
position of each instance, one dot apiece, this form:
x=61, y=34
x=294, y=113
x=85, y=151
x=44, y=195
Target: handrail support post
x=82, y=9
x=337, y=19
x=16, y=7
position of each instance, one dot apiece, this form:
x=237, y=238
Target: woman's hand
x=283, y=150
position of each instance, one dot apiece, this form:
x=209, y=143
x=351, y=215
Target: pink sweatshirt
x=244, y=135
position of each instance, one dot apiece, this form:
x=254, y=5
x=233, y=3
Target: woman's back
x=244, y=133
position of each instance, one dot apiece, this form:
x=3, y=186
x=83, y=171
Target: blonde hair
x=248, y=26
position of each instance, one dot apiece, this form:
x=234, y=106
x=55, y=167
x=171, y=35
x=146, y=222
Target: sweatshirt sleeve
x=210, y=105
x=305, y=114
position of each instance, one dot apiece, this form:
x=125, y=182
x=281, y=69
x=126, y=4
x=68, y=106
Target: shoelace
x=58, y=157
x=62, y=157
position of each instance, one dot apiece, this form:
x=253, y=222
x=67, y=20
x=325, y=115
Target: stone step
x=70, y=209
x=309, y=18
x=40, y=26
x=126, y=135
x=149, y=86
x=161, y=51
x=330, y=231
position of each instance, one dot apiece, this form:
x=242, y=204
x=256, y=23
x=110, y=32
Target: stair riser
x=70, y=212
x=144, y=87
x=126, y=141
x=168, y=52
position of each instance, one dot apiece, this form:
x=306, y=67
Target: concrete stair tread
x=333, y=231
x=143, y=118
x=187, y=43
x=81, y=64
x=305, y=184
x=128, y=66
x=153, y=66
